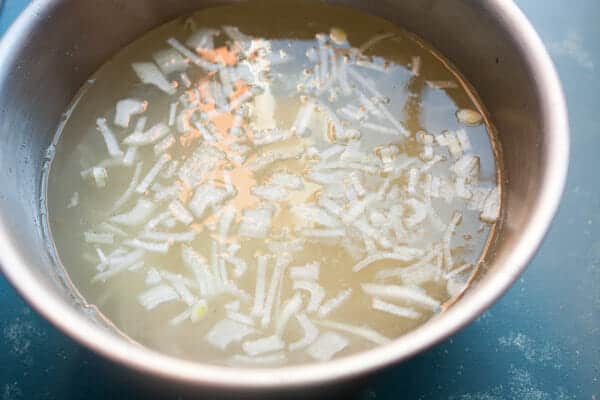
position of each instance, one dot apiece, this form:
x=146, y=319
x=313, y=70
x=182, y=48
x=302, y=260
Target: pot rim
x=65, y=318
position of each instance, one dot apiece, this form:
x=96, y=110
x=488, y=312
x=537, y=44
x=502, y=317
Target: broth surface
x=338, y=131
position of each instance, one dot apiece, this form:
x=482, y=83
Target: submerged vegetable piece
x=254, y=197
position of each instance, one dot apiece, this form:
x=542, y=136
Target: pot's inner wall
x=51, y=59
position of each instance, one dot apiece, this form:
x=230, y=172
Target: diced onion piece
x=310, y=333
x=202, y=39
x=164, y=144
x=172, y=113
x=226, y=332
x=275, y=358
x=180, y=213
x=163, y=193
x=268, y=158
x=228, y=214
x=290, y=308
x=243, y=98
x=153, y=173
x=456, y=219
x=327, y=345
x=393, y=309
x=206, y=195
x=121, y=201
x=169, y=61
x=413, y=178
x=177, y=279
x=404, y=293
x=303, y=118
x=105, y=226
x=197, y=264
x=401, y=254
x=170, y=170
x=371, y=88
x=139, y=214
x=469, y=117
x=308, y=272
x=380, y=129
x=358, y=208
x=190, y=55
x=461, y=189
x=180, y=318
x=419, y=213
x=463, y=139
x=130, y=156
x=233, y=306
x=287, y=180
x=183, y=292
x=239, y=265
x=416, y=65
x=150, y=74
x=417, y=274
x=234, y=33
x=323, y=233
x=112, y=145
x=331, y=206
x=153, y=277
x=187, y=236
x=162, y=248
x=375, y=65
x=315, y=215
x=197, y=166
x=280, y=263
x=453, y=144
x=478, y=198
x=334, y=302
x=263, y=345
x=260, y=287
x=442, y=84
x=127, y=108
x=270, y=136
x=119, y=263
x=458, y=271
x=361, y=331
x=100, y=176
x=255, y=223
x=317, y=294
x=157, y=295
x=272, y=193
x=216, y=90
x=218, y=269
x=152, y=135
x=239, y=317
x=99, y=238
x=343, y=77
x=467, y=167
x=491, y=207
x=74, y=200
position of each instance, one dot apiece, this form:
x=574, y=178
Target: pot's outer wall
x=44, y=79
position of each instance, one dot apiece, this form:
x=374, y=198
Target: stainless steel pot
x=56, y=44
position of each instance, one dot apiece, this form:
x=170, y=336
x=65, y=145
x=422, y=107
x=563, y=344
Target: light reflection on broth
x=395, y=177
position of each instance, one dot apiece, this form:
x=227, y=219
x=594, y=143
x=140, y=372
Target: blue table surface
x=541, y=341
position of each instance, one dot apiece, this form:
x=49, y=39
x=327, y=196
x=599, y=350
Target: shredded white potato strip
x=374, y=203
